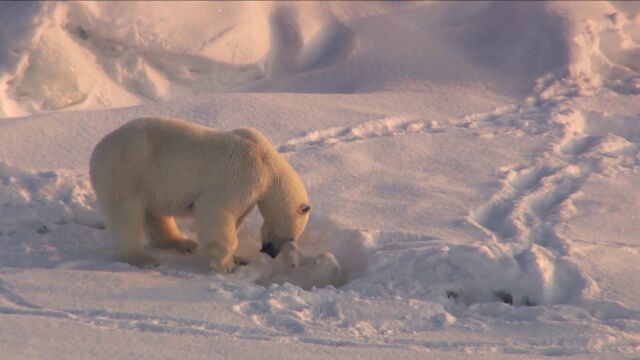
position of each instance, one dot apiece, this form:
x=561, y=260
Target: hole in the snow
x=506, y=297
x=325, y=255
x=43, y=230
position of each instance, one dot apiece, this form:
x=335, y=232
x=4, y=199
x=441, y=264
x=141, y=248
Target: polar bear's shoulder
x=249, y=134
x=252, y=137
x=256, y=146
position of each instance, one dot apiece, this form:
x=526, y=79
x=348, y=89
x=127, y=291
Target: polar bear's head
x=285, y=209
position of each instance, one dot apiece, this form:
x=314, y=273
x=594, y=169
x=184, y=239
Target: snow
x=472, y=168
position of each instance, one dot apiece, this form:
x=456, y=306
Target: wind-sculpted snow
x=473, y=170
x=424, y=283
x=47, y=218
x=357, y=288
x=71, y=56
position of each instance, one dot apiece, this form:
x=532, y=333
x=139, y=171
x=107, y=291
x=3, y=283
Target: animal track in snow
x=124, y=320
x=578, y=146
x=391, y=126
x=523, y=216
x=398, y=126
x=278, y=312
x=14, y=298
x=534, y=198
x=502, y=215
x=606, y=143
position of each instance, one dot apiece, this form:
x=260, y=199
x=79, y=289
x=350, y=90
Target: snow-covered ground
x=473, y=168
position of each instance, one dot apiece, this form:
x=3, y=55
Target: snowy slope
x=473, y=169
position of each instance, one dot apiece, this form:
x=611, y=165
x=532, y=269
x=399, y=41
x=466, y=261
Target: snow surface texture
x=473, y=169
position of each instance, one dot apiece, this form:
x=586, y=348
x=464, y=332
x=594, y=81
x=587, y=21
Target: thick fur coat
x=152, y=169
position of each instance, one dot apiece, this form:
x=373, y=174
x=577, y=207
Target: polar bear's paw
x=185, y=246
x=181, y=245
x=226, y=267
x=240, y=261
x=142, y=261
x=231, y=266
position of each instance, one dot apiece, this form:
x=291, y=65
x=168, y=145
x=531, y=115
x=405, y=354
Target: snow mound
x=83, y=55
x=526, y=38
x=603, y=43
x=70, y=55
x=473, y=168
x=47, y=218
x=567, y=48
x=609, y=142
x=424, y=267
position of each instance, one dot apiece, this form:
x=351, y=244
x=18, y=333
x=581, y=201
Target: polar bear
x=151, y=169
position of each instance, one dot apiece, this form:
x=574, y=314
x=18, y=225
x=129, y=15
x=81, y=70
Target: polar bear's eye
x=304, y=208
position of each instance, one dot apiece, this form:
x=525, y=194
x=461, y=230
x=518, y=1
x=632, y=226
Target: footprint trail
x=390, y=126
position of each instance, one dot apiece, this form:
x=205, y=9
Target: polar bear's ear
x=304, y=208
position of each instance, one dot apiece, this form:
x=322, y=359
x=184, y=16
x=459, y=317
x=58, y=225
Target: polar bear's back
x=171, y=160
x=132, y=147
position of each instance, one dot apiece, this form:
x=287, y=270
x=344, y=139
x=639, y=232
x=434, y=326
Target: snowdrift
x=97, y=55
x=473, y=168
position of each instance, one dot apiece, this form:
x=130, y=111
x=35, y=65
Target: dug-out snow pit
x=325, y=255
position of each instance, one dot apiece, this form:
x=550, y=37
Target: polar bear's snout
x=270, y=249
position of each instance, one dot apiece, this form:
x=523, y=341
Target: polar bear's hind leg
x=127, y=221
x=163, y=232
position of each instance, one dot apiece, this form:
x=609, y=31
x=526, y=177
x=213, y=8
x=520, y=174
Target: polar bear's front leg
x=218, y=237
x=164, y=233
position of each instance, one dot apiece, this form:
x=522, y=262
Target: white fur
x=305, y=271
x=152, y=169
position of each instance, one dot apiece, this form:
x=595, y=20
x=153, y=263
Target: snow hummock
x=82, y=55
x=473, y=169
